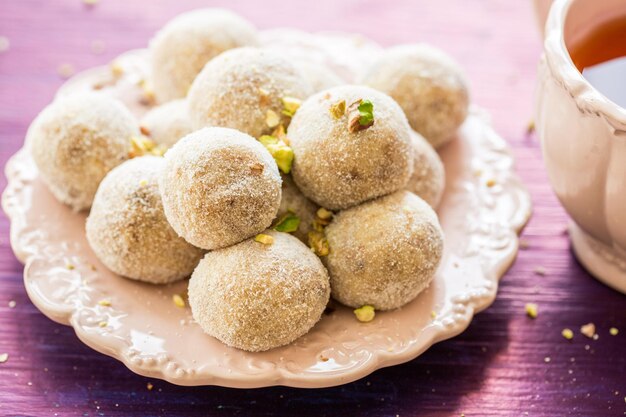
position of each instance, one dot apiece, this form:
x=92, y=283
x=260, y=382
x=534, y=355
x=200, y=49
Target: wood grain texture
x=496, y=368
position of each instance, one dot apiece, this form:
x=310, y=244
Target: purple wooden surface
x=497, y=367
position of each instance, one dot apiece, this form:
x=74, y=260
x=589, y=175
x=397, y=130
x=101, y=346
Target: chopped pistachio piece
x=141, y=145
x=178, y=300
x=338, y=109
x=271, y=118
x=365, y=314
x=366, y=110
x=324, y=214
x=103, y=324
x=531, y=310
x=568, y=334
x=588, y=329
x=318, y=243
x=317, y=225
x=613, y=331
x=284, y=158
x=280, y=133
x=264, y=239
x=280, y=151
x=105, y=303
x=288, y=223
x=143, y=183
x=290, y=105
x=361, y=115
x=268, y=140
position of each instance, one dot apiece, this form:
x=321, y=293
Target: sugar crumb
x=588, y=330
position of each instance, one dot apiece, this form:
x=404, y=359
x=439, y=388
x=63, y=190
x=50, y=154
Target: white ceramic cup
x=583, y=138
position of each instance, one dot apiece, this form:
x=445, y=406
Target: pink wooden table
x=499, y=366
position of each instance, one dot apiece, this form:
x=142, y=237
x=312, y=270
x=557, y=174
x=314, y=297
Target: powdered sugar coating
x=294, y=201
x=337, y=168
x=127, y=228
x=168, y=123
x=179, y=51
x=237, y=88
x=384, y=252
x=429, y=177
x=319, y=76
x=257, y=297
x=219, y=187
x=76, y=140
x=429, y=86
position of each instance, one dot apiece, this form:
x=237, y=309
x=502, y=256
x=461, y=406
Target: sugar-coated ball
x=179, y=51
x=338, y=162
x=256, y=296
x=429, y=177
x=168, y=123
x=76, y=140
x=219, y=186
x=127, y=228
x=249, y=89
x=429, y=86
x=385, y=252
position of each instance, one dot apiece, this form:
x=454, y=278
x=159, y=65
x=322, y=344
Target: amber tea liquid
x=601, y=58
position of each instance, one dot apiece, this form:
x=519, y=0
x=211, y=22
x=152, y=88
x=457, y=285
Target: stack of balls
x=273, y=184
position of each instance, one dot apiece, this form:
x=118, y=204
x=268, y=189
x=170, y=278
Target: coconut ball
x=76, y=140
x=429, y=86
x=246, y=89
x=167, y=123
x=319, y=76
x=429, y=178
x=293, y=201
x=256, y=297
x=385, y=252
x=127, y=228
x=179, y=51
x=338, y=165
x=219, y=187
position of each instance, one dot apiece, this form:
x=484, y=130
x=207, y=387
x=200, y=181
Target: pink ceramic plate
x=483, y=209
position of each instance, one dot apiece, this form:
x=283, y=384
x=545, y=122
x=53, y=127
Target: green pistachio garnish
x=288, y=223
x=338, y=109
x=361, y=115
x=365, y=313
x=141, y=145
x=268, y=140
x=280, y=151
x=271, y=118
x=366, y=110
x=290, y=105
